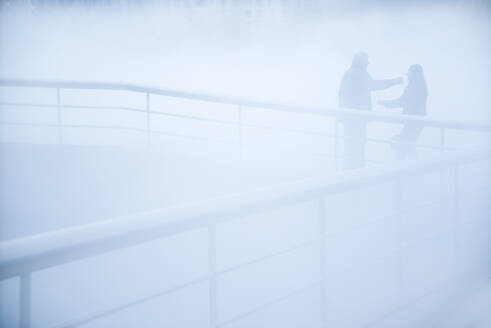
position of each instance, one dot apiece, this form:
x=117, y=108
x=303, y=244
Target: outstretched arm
x=394, y=103
x=384, y=84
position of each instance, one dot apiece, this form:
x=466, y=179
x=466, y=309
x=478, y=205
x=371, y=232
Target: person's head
x=360, y=60
x=415, y=73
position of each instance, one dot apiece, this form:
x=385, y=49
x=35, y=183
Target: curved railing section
x=25, y=256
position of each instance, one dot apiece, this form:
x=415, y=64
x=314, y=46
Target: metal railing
x=240, y=105
x=22, y=257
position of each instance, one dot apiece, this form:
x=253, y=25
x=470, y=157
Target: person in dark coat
x=355, y=93
x=413, y=102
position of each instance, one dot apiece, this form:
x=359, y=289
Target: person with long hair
x=413, y=102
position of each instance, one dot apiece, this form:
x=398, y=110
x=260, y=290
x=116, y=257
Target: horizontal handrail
x=338, y=113
x=118, y=127
x=276, y=300
x=125, y=305
x=162, y=292
x=196, y=138
x=53, y=248
x=201, y=119
x=122, y=108
x=120, y=307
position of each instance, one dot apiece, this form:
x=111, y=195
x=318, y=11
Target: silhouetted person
x=355, y=93
x=413, y=102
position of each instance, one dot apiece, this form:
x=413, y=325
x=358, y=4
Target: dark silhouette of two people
x=355, y=93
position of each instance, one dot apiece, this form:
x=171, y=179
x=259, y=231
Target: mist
x=188, y=164
x=283, y=58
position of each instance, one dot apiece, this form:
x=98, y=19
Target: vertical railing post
x=59, y=117
x=442, y=139
x=322, y=261
x=25, y=300
x=456, y=214
x=240, y=141
x=212, y=301
x=336, y=145
x=147, y=109
x=399, y=231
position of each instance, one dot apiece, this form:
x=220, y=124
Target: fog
x=85, y=208
x=287, y=58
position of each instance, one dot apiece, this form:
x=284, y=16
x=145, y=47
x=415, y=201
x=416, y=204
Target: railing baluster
x=400, y=230
x=456, y=214
x=212, y=301
x=239, y=132
x=59, y=118
x=25, y=300
x=148, y=117
x=322, y=261
x=442, y=139
x=336, y=145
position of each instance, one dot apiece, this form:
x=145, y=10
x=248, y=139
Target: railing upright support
x=59, y=117
x=240, y=140
x=442, y=139
x=456, y=214
x=336, y=145
x=322, y=261
x=400, y=230
x=25, y=301
x=147, y=109
x=212, y=301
